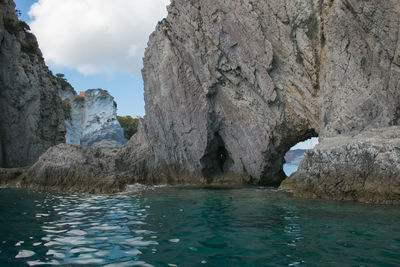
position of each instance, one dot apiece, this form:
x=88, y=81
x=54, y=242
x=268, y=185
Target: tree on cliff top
x=62, y=81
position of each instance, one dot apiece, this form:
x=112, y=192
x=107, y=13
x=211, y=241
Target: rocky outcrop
x=31, y=114
x=360, y=89
x=93, y=121
x=228, y=90
x=66, y=91
x=231, y=86
x=69, y=168
x=364, y=167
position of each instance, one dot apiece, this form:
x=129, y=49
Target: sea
x=194, y=226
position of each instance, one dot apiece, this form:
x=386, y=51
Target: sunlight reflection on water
x=187, y=226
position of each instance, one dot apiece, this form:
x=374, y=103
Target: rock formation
x=66, y=91
x=93, y=121
x=364, y=167
x=230, y=86
x=31, y=113
x=228, y=90
x=69, y=168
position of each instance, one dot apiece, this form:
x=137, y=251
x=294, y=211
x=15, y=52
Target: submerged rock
x=364, y=167
x=93, y=121
x=31, y=113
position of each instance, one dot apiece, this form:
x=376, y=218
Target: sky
x=96, y=43
x=307, y=144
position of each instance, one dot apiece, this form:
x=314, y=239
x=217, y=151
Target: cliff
x=93, y=121
x=226, y=92
x=230, y=86
x=31, y=113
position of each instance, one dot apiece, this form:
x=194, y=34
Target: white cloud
x=96, y=36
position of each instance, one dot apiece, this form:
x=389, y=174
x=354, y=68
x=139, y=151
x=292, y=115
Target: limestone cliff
x=31, y=113
x=229, y=89
x=230, y=86
x=93, y=121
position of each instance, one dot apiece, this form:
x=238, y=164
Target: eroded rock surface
x=230, y=86
x=31, y=113
x=229, y=90
x=68, y=168
x=364, y=167
x=93, y=121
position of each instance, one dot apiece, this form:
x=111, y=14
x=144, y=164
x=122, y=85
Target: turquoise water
x=177, y=226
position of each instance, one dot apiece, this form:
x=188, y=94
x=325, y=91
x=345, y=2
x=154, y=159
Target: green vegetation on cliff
x=129, y=124
x=63, y=81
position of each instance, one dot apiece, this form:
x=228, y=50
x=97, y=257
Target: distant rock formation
x=364, y=167
x=31, y=113
x=93, y=121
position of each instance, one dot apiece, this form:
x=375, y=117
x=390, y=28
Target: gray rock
x=227, y=88
x=231, y=86
x=31, y=113
x=364, y=167
x=359, y=70
x=75, y=120
x=68, y=168
x=66, y=91
x=10, y=177
x=93, y=121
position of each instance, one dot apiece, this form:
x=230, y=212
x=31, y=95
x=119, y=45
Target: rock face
x=364, y=167
x=31, y=113
x=229, y=90
x=66, y=91
x=231, y=86
x=69, y=168
x=93, y=121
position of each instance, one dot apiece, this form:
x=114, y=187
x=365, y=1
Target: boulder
x=364, y=167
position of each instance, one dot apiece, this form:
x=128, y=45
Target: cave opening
x=216, y=160
x=295, y=154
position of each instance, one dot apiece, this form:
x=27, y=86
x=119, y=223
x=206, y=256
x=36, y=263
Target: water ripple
x=93, y=230
x=149, y=226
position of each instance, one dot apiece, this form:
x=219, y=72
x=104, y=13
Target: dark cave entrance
x=295, y=154
x=216, y=160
